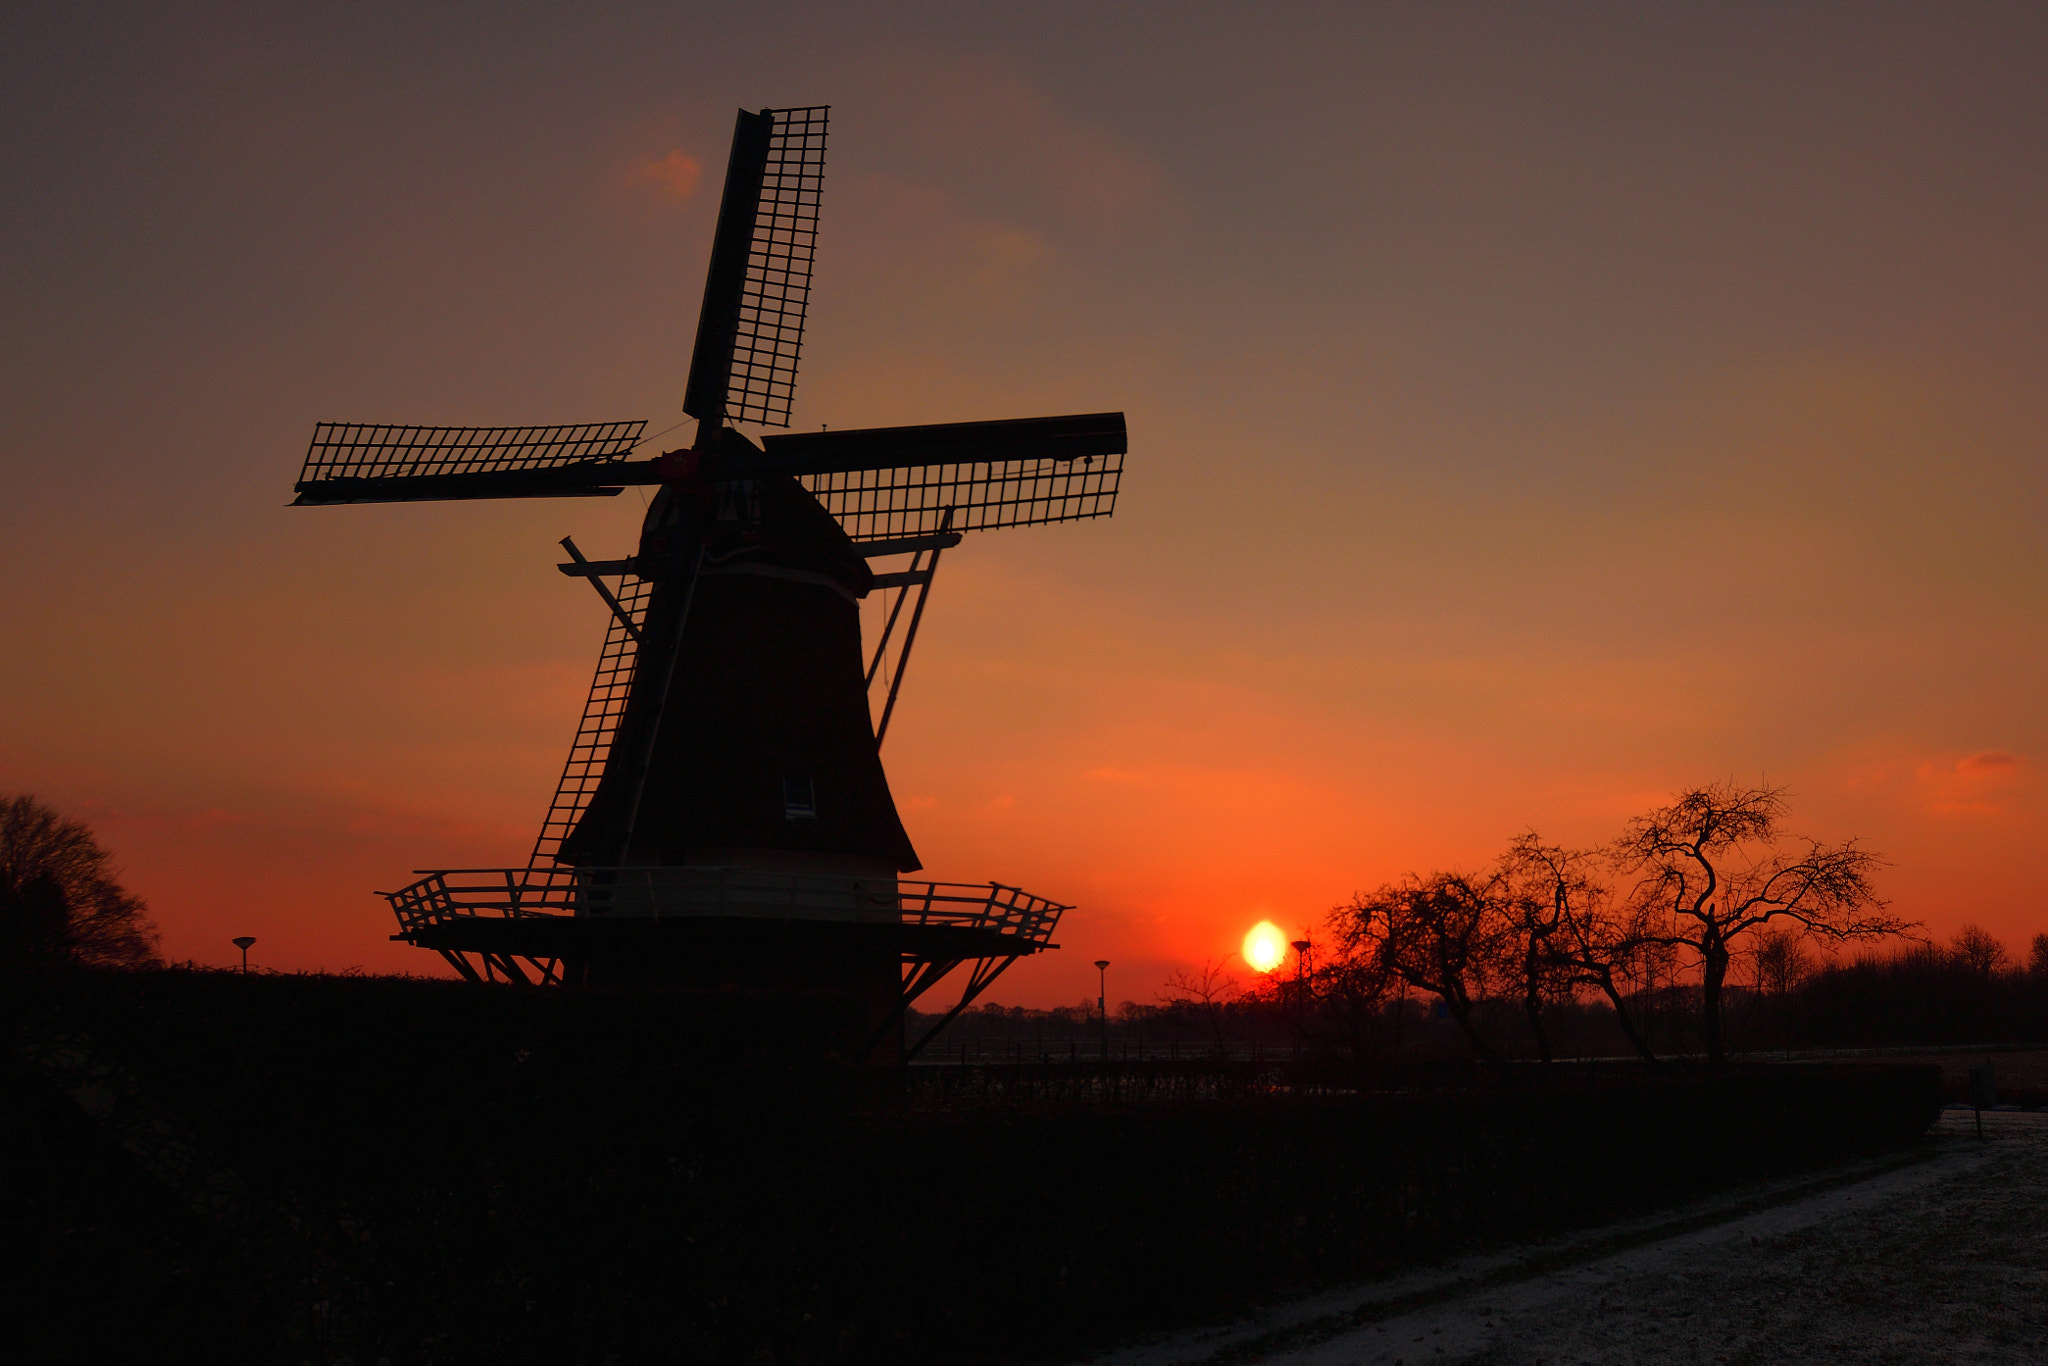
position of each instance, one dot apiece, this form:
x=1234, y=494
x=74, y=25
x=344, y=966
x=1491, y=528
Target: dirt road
x=1941, y=1259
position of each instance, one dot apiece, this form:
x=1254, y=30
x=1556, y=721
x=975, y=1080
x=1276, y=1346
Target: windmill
x=724, y=820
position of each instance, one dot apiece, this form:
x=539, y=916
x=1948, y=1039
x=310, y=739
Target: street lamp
x=242, y=942
x=1102, y=1001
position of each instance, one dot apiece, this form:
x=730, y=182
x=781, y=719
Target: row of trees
x=1704, y=926
x=1969, y=991
x=1679, y=895
x=1780, y=994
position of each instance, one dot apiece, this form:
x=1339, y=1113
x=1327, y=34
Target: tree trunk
x=1533, y=1005
x=1461, y=1011
x=1621, y=1017
x=1532, y=997
x=1716, y=972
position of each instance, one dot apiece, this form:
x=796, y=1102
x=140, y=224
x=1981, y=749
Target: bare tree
x=59, y=901
x=1566, y=912
x=1352, y=992
x=2037, y=956
x=1444, y=934
x=1715, y=864
x=1782, y=961
x=1978, y=950
x=1205, y=994
x=1535, y=913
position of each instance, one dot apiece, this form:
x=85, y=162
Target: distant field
x=2022, y=1077
x=2021, y=1069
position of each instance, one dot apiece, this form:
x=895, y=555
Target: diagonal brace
x=923, y=582
x=977, y=982
x=610, y=599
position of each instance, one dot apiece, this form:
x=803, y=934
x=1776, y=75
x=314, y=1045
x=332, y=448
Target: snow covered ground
x=1940, y=1257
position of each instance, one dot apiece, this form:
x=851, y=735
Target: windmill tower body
x=724, y=821
x=764, y=761
x=765, y=754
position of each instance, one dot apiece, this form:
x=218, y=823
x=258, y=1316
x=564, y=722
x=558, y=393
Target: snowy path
x=1939, y=1260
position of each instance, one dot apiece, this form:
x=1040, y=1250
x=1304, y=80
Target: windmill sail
x=602, y=711
x=886, y=483
x=369, y=462
x=758, y=289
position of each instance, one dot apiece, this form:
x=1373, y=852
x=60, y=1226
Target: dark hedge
x=444, y=1172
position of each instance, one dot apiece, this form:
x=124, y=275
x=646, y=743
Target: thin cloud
x=1974, y=785
x=671, y=179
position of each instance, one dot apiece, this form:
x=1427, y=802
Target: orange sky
x=1532, y=412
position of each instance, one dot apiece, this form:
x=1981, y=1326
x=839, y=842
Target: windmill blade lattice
x=777, y=294
x=757, y=292
x=885, y=504
x=602, y=710
x=883, y=483
x=376, y=462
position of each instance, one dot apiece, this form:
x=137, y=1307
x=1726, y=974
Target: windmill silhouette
x=723, y=820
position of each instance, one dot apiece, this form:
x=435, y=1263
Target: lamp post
x=242, y=942
x=1102, y=1001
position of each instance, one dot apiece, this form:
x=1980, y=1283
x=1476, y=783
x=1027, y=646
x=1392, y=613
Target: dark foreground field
x=360, y=1169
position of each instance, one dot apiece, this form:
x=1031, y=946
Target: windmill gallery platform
x=723, y=821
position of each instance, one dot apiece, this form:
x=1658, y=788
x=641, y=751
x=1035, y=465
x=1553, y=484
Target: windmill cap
x=678, y=467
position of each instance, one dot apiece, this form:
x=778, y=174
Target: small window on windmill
x=799, y=798
x=739, y=500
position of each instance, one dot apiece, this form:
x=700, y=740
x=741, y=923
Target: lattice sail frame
x=777, y=294
x=359, y=450
x=602, y=711
x=913, y=500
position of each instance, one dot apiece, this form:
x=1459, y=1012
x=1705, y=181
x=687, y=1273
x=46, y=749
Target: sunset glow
x=1265, y=946
x=1609, y=406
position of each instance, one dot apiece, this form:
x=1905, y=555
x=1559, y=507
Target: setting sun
x=1265, y=947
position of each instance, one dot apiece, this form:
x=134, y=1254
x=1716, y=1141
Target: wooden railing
x=620, y=893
